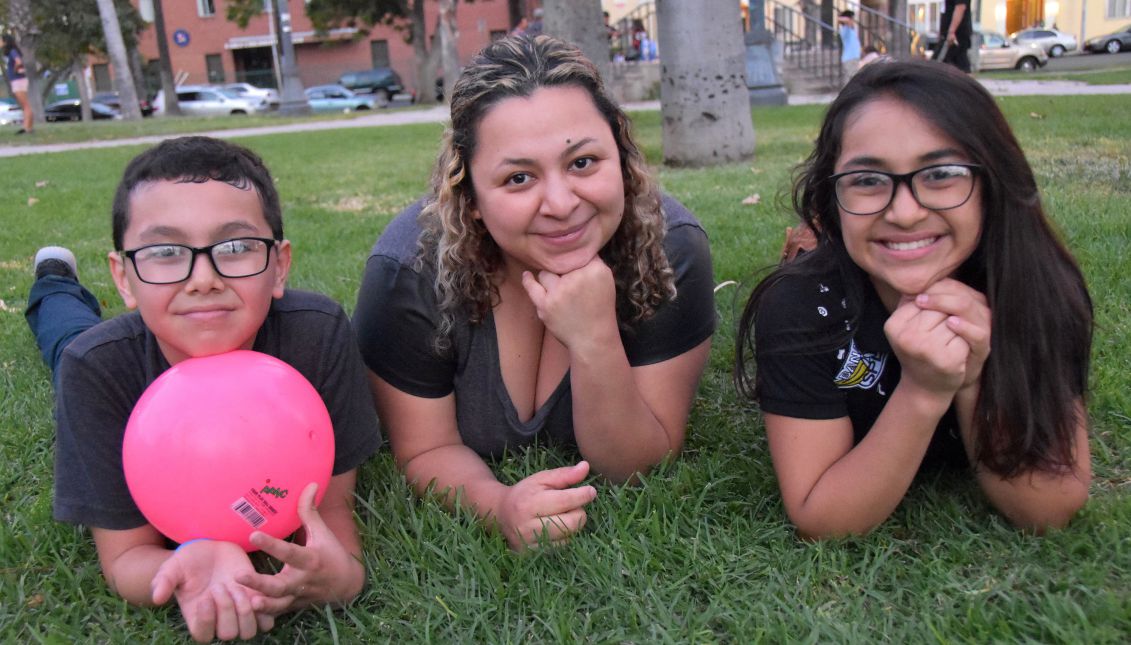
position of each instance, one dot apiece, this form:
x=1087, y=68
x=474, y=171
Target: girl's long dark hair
x=1037, y=370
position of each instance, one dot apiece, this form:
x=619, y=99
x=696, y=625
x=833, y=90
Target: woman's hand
x=204, y=576
x=932, y=356
x=318, y=571
x=968, y=316
x=545, y=504
x=578, y=307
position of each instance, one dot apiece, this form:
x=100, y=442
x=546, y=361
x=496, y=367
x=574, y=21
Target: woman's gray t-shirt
x=397, y=317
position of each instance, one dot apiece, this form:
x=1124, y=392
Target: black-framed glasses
x=239, y=257
x=939, y=187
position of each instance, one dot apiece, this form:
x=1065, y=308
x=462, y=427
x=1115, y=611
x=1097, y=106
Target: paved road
x=440, y=113
x=1077, y=62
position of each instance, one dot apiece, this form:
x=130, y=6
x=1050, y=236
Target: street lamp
x=292, y=99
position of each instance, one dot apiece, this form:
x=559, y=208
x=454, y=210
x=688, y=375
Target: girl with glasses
x=939, y=320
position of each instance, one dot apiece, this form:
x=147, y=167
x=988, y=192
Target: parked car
x=382, y=81
x=997, y=52
x=71, y=110
x=1112, y=43
x=10, y=112
x=111, y=99
x=247, y=90
x=1055, y=43
x=202, y=100
x=335, y=98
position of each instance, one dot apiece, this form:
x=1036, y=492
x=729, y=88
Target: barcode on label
x=248, y=513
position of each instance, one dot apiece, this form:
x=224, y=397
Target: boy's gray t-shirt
x=106, y=369
x=397, y=317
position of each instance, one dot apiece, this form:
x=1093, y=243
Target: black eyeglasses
x=939, y=187
x=240, y=257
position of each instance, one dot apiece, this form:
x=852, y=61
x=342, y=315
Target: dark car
x=71, y=110
x=382, y=81
x=111, y=99
x=1112, y=43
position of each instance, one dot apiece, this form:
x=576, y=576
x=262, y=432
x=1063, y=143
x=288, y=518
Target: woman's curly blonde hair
x=457, y=245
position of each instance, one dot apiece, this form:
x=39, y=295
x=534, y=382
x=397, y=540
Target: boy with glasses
x=200, y=253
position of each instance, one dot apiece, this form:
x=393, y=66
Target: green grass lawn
x=701, y=551
x=103, y=130
x=1107, y=76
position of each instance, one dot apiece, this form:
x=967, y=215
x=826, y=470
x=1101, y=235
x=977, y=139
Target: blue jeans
x=58, y=310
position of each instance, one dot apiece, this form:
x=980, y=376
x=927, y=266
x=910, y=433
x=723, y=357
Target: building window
x=379, y=52
x=215, y=65
x=145, y=8
x=205, y=8
x=1118, y=8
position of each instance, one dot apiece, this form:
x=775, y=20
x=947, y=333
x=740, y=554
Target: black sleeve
x=796, y=362
x=91, y=411
x=396, y=320
x=689, y=319
x=345, y=390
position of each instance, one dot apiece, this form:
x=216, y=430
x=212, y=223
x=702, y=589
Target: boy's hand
x=203, y=576
x=317, y=571
x=545, y=503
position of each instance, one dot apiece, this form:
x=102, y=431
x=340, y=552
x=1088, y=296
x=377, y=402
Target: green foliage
x=71, y=29
x=701, y=551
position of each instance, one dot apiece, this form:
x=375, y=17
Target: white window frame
x=1118, y=8
x=205, y=8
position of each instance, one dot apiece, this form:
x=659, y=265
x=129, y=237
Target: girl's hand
x=204, y=576
x=579, y=307
x=318, y=571
x=933, y=357
x=969, y=317
x=545, y=504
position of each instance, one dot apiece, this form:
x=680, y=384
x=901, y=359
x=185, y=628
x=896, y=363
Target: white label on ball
x=248, y=513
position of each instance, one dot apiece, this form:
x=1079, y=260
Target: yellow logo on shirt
x=859, y=369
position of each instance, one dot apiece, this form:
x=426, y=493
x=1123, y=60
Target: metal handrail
x=806, y=41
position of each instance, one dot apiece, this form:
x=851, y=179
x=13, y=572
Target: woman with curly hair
x=543, y=292
x=939, y=320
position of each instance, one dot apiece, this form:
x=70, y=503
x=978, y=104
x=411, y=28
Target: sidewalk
x=439, y=114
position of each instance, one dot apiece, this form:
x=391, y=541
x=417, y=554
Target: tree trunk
x=116, y=47
x=78, y=70
x=449, y=45
x=26, y=33
x=580, y=22
x=705, y=106
x=168, y=86
x=425, y=57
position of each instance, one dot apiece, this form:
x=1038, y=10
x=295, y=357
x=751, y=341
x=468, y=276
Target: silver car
x=1055, y=43
x=998, y=53
x=202, y=100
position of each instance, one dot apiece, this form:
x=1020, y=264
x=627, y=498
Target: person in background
x=955, y=29
x=17, y=78
x=849, y=43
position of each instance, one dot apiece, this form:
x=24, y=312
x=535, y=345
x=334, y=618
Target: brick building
x=206, y=48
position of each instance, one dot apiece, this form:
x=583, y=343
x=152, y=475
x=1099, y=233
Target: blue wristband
x=188, y=542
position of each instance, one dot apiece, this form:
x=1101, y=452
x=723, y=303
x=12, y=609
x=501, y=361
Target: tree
x=165, y=62
x=704, y=102
x=116, y=47
x=581, y=23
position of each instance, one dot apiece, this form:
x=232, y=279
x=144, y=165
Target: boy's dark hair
x=197, y=160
